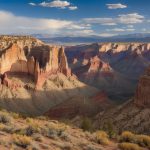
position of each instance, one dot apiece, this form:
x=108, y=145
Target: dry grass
x=102, y=138
x=5, y=118
x=127, y=136
x=143, y=140
x=129, y=146
x=22, y=140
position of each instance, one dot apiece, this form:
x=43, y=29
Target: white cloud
x=56, y=3
x=80, y=26
x=19, y=24
x=120, y=19
x=32, y=4
x=102, y=21
x=120, y=29
x=116, y=30
x=144, y=30
x=107, y=34
x=73, y=7
x=130, y=26
x=116, y=6
x=130, y=29
x=130, y=18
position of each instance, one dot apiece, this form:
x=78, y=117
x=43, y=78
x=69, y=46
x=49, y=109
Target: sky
x=75, y=17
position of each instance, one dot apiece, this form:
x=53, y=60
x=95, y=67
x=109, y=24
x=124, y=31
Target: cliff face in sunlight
x=35, y=77
x=39, y=61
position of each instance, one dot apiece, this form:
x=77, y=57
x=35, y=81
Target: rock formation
x=98, y=65
x=38, y=61
x=142, y=96
x=115, y=66
x=35, y=77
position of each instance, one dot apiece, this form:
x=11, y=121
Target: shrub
x=31, y=129
x=109, y=128
x=22, y=140
x=29, y=120
x=37, y=137
x=49, y=132
x=102, y=138
x=129, y=146
x=7, y=128
x=5, y=118
x=53, y=130
x=65, y=136
x=67, y=146
x=86, y=124
x=127, y=136
x=143, y=140
x=15, y=115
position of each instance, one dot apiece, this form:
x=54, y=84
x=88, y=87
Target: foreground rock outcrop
x=142, y=96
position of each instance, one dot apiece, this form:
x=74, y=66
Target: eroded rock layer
x=38, y=60
x=112, y=67
x=142, y=96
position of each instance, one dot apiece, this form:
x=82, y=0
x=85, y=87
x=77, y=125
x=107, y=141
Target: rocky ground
x=27, y=133
x=125, y=117
x=20, y=132
x=57, y=89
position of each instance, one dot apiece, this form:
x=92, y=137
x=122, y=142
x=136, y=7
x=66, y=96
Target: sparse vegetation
x=86, y=124
x=31, y=129
x=22, y=140
x=33, y=133
x=143, y=140
x=129, y=146
x=109, y=128
x=127, y=136
x=101, y=137
x=5, y=118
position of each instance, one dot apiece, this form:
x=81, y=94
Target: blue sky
x=74, y=17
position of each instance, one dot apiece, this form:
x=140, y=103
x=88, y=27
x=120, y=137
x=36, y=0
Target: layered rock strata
x=38, y=61
x=142, y=96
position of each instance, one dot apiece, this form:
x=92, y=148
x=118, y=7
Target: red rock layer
x=142, y=96
x=40, y=62
x=97, y=65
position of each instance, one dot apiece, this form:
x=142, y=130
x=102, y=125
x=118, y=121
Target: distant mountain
x=138, y=37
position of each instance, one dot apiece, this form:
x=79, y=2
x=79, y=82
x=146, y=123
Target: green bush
x=109, y=128
x=86, y=124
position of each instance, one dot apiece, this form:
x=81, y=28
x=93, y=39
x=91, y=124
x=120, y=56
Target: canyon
x=38, y=78
x=114, y=68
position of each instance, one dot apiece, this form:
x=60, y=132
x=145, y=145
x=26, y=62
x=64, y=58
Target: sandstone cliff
x=35, y=77
x=37, y=61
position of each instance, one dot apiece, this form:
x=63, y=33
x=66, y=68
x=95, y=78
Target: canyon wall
x=142, y=96
x=38, y=60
